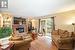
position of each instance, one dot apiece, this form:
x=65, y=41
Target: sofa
x=62, y=39
x=21, y=43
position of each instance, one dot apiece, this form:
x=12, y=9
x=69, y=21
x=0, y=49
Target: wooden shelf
x=5, y=19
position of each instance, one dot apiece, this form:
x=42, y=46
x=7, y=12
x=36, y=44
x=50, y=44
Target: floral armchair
x=62, y=39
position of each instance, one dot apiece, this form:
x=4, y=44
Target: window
x=47, y=24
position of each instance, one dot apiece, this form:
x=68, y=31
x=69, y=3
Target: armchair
x=62, y=39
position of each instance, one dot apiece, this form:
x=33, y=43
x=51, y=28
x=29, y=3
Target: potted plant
x=5, y=32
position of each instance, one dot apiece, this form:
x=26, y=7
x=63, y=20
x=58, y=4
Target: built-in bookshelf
x=16, y=20
x=5, y=20
x=16, y=24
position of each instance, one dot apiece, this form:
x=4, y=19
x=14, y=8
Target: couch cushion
x=65, y=34
x=55, y=32
x=60, y=31
x=16, y=38
x=56, y=38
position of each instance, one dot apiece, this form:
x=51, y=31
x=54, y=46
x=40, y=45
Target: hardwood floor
x=43, y=43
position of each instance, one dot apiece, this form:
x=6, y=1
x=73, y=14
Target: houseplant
x=5, y=32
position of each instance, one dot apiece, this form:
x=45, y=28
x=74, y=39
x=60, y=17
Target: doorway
x=47, y=25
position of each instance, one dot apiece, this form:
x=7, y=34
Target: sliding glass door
x=46, y=25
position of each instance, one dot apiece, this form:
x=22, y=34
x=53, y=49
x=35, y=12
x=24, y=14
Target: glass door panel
x=47, y=25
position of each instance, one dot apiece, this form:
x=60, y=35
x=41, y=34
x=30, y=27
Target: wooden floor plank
x=43, y=43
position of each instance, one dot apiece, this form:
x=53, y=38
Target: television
x=21, y=28
x=5, y=33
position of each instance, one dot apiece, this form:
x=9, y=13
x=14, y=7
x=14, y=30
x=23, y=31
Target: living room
x=37, y=25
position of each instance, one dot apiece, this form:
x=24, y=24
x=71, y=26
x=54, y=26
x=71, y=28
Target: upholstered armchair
x=62, y=39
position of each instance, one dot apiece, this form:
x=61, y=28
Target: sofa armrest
x=65, y=40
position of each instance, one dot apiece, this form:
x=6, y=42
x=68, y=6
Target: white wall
x=35, y=24
x=64, y=20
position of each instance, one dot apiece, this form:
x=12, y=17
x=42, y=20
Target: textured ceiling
x=36, y=8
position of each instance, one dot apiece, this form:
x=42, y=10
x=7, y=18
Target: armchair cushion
x=66, y=34
x=56, y=37
x=55, y=32
x=60, y=31
x=63, y=39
